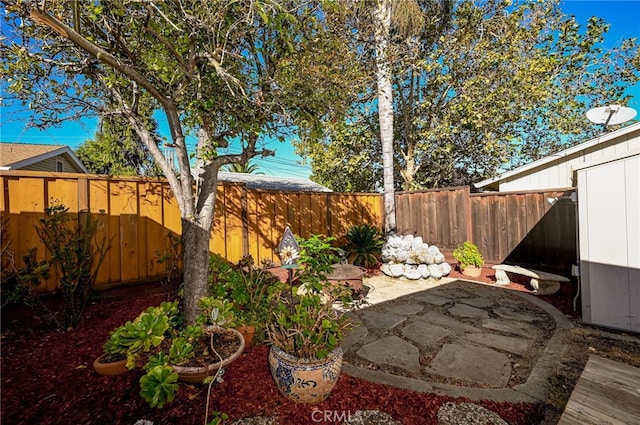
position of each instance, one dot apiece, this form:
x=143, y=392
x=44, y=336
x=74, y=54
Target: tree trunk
x=385, y=110
x=195, y=251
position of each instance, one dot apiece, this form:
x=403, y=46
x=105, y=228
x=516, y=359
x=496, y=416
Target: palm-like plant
x=364, y=245
x=246, y=168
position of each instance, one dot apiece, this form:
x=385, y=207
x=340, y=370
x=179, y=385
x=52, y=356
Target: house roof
x=565, y=153
x=258, y=181
x=14, y=156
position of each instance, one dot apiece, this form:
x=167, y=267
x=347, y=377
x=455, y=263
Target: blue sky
x=623, y=17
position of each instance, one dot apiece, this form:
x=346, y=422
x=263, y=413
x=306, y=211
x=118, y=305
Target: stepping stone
x=424, y=333
x=392, y=351
x=433, y=299
x=379, y=320
x=508, y=313
x=476, y=302
x=509, y=326
x=451, y=413
x=437, y=318
x=464, y=310
x=405, y=309
x=472, y=364
x=505, y=343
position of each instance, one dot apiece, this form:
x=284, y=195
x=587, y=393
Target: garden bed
x=47, y=378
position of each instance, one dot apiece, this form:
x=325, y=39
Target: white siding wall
x=609, y=217
x=559, y=173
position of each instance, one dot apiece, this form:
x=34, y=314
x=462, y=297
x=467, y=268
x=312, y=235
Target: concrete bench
x=543, y=283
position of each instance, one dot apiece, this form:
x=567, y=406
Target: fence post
x=467, y=213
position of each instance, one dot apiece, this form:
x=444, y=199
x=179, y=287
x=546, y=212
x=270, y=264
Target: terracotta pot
x=248, y=332
x=472, y=271
x=305, y=381
x=110, y=368
x=197, y=374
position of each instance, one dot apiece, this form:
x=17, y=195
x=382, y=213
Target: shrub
x=364, y=245
x=468, y=255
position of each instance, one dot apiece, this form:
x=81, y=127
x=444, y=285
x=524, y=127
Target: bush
x=364, y=245
x=467, y=254
x=76, y=254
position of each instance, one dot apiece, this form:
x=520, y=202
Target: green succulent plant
x=158, y=387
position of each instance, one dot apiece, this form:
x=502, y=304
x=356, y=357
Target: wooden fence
x=534, y=228
x=528, y=228
x=139, y=214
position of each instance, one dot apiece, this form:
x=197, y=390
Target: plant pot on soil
x=472, y=271
x=229, y=345
x=110, y=364
x=248, y=332
x=302, y=380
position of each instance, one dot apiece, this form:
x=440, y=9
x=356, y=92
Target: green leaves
x=364, y=245
x=180, y=351
x=158, y=387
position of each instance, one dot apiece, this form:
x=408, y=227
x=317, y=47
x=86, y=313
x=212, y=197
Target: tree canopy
x=217, y=70
x=500, y=85
x=117, y=151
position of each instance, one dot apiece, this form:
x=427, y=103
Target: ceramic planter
x=197, y=374
x=110, y=368
x=305, y=381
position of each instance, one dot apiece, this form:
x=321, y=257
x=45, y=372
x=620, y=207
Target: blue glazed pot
x=305, y=381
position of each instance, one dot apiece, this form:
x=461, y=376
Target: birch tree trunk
x=385, y=109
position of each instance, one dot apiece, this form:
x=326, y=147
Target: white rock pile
x=409, y=257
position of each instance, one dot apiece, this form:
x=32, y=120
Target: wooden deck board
x=607, y=392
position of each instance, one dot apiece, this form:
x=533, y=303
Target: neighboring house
x=258, y=181
x=31, y=157
x=559, y=170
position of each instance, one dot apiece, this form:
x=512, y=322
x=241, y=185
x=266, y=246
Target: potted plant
x=169, y=352
x=128, y=343
x=470, y=259
x=306, y=329
x=202, y=350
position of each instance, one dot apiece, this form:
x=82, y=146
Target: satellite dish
x=610, y=115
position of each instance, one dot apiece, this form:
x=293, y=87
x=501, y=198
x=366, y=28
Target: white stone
x=394, y=241
x=416, y=244
x=406, y=242
x=445, y=268
x=424, y=271
x=412, y=273
x=435, y=271
x=396, y=270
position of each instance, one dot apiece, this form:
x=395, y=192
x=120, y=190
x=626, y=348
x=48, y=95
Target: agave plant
x=364, y=245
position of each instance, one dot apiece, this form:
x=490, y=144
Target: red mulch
x=47, y=378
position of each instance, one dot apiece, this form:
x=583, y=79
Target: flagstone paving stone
x=475, y=364
x=424, y=333
x=517, y=346
x=464, y=310
x=392, y=351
